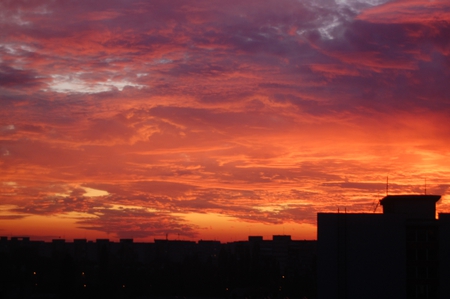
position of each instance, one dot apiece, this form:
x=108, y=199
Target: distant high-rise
x=402, y=253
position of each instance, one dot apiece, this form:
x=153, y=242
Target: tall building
x=402, y=253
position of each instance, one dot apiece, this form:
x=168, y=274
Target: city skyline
x=217, y=120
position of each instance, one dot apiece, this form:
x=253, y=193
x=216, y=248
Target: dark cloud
x=137, y=223
x=11, y=217
x=17, y=78
x=369, y=187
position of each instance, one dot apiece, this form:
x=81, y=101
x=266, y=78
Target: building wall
x=361, y=256
x=422, y=262
x=444, y=255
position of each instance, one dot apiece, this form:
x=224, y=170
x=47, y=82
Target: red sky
x=217, y=119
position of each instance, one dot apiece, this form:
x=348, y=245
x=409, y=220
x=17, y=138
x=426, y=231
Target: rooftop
x=414, y=206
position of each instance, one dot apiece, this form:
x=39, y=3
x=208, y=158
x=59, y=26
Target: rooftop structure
x=414, y=206
x=401, y=253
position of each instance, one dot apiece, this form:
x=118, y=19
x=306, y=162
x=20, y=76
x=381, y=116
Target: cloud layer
x=134, y=116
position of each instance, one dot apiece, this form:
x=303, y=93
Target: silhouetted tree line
x=240, y=273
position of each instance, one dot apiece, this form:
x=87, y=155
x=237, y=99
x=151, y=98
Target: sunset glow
x=217, y=119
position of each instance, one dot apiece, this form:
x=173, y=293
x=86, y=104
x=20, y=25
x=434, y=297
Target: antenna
x=376, y=206
x=387, y=185
x=425, y=186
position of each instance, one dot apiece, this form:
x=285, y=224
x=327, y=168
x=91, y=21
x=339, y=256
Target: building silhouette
x=255, y=268
x=402, y=253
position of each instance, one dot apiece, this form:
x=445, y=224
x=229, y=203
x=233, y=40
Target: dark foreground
x=165, y=269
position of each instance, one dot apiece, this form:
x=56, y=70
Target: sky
x=217, y=120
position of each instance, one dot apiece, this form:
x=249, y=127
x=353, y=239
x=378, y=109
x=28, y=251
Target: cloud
x=11, y=217
x=261, y=112
x=417, y=11
x=137, y=223
x=16, y=78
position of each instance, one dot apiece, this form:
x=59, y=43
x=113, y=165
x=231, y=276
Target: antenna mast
x=376, y=206
x=425, y=186
x=387, y=186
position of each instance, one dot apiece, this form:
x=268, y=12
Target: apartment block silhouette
x=402, y=253
x=254, y=268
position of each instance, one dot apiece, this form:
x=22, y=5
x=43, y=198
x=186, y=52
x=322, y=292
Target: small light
x=84, y=285
x=82, y=273
x=282, y=276
x=34, y=273
x=123, y=286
